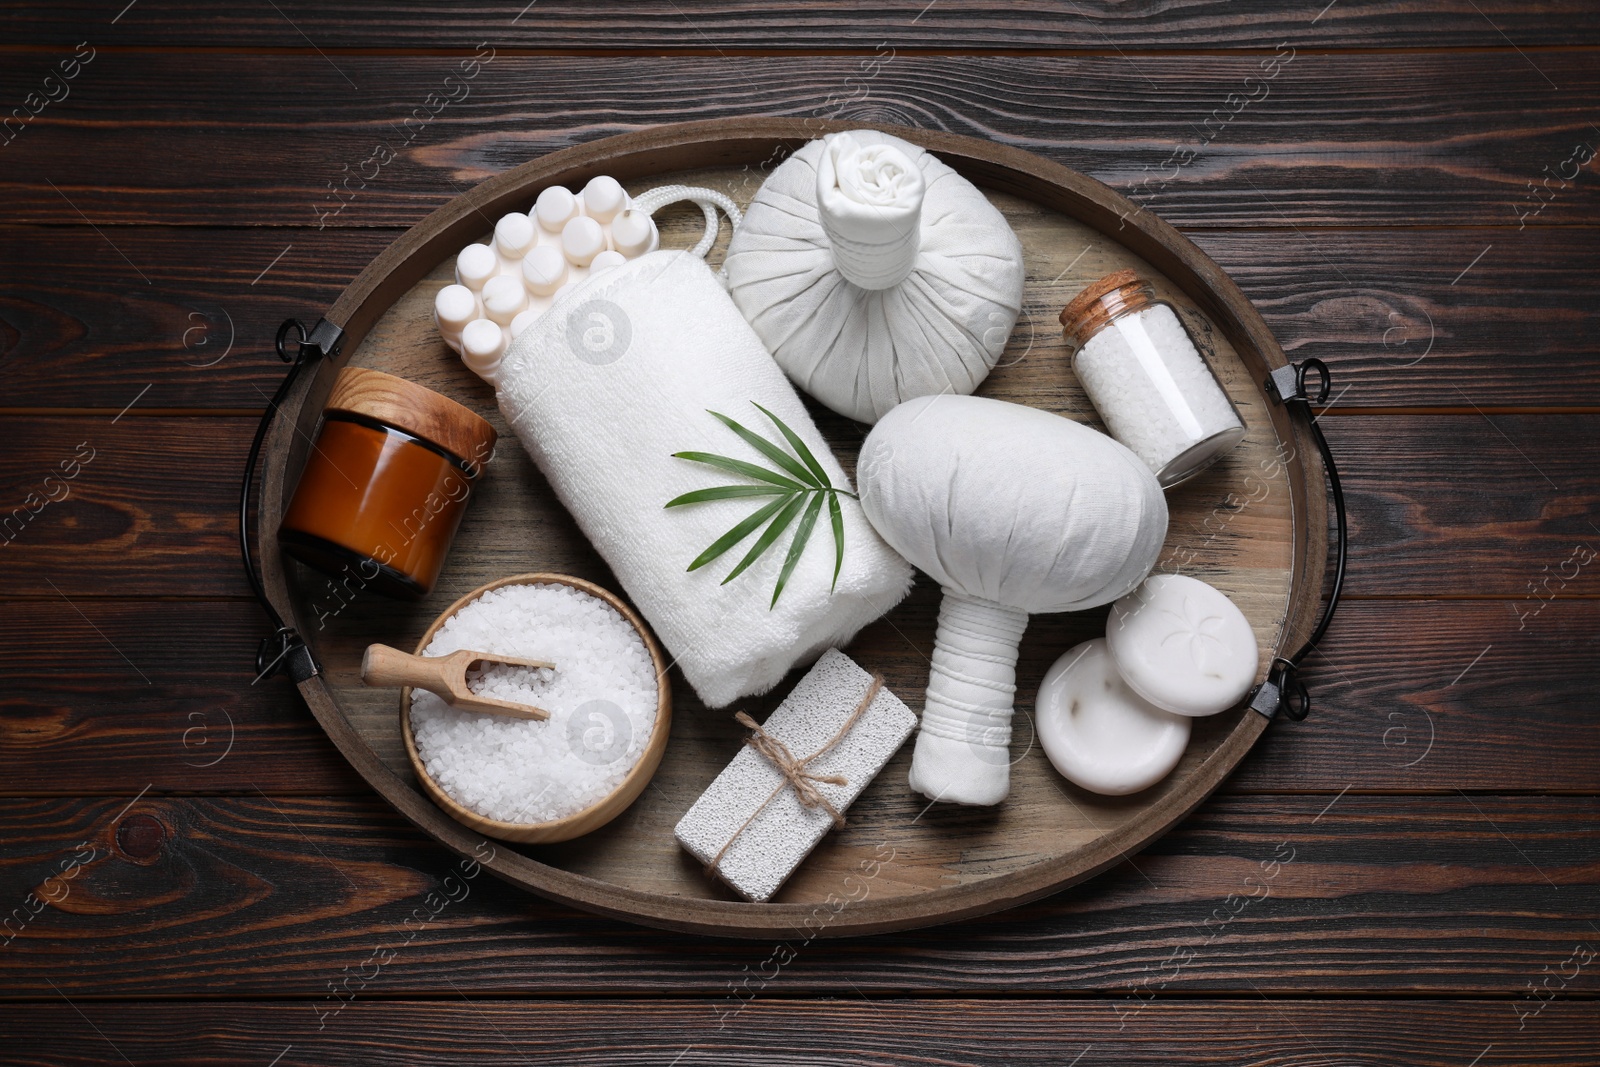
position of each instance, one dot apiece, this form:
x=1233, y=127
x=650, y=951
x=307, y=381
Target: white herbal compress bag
x=1013, y=511
x=876, y=274
x=616, y=376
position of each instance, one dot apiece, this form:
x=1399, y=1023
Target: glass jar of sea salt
x=1144, y=375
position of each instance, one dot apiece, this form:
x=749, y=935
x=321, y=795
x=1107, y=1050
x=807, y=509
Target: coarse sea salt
x=1156, y=393
x=601, y=698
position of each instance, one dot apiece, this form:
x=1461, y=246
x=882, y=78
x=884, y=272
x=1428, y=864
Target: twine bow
x=796, y=772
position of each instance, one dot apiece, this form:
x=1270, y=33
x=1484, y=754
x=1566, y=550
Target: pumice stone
x=1183, y=645
x=1098, y=732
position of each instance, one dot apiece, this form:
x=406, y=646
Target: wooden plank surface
x=1483, y=702
x=169, y=131
x=1375, y=204
x=1356, y=894
x=714, y=28
x=1508, y=499
x=854, y=1031
x=1399, y=322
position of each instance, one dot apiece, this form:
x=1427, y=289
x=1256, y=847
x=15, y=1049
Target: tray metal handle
x=1283, y=691
x=284, y=648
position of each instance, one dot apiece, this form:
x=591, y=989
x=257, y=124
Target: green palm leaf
x=802, y=534
x=725, y=492
x=837, y=518
x=799, y=487
x=772, y=452
x=769, y=535
x=738, y=466
x=798, y=445
x=738, y=533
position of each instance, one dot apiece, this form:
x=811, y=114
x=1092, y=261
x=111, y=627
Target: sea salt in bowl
x=609, y=701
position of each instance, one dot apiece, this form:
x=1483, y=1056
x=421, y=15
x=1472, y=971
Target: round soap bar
x=1183, y=645
x=1099, y=733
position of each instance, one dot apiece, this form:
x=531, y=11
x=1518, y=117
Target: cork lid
x=1088, y=311
x=414, y=409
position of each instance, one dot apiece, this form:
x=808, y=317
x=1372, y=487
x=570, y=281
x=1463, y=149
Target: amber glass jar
x=386, y=485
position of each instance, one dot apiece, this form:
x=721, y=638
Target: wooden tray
x=1254, y=525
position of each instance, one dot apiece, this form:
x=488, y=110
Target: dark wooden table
x=190, y=874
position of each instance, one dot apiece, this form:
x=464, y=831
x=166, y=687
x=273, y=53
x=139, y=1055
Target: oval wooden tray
x=1254, y=525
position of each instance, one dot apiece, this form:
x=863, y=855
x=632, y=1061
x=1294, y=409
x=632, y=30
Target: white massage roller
x=455, y=306
x=530, y=260
x=475, y=265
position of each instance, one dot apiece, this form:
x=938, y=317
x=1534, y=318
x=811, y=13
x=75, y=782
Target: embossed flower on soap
x=1195, y=630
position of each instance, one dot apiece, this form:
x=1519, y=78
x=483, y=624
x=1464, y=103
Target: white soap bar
x=1099, y=733
x=783, y=832
x=532, y=259
x=1183, y=645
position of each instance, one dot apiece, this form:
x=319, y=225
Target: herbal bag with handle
x=875, y=273
x=621, y=375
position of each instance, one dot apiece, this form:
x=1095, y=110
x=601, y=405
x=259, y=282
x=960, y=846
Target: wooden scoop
x=445, y=677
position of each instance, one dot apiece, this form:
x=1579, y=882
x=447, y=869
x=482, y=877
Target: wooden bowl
x=602, y=811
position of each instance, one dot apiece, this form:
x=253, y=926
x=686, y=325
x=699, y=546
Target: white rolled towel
x=614, y=378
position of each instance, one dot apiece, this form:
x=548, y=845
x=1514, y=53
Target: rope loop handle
x=653, y=200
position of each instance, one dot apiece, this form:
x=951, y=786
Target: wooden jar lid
x=1087, y=312
x=417, y=410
